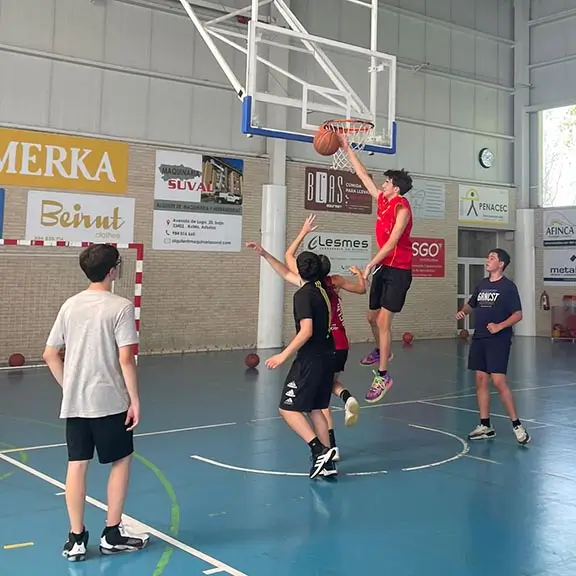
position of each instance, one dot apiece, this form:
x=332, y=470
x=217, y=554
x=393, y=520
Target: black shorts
x=389, y=288
x=107, y=434
x=340, y=359
x=490, y=355
x=308, y=385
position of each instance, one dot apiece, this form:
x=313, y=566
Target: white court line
x=464, y=451
x=481, y=459
x=129, y=521
x=159, y=432
x=212, y=571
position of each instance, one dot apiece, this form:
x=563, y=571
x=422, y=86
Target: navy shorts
x=490, y=355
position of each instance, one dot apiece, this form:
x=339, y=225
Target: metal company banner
x=197, y=202
x=79, y=217
x=428, y=257
x=335, y=191
x=559, y=227
x=484, y=205
x=344, y=250
x=559, y=266
x=45, y=160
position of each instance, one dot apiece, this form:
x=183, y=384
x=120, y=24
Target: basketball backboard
x=316, y=79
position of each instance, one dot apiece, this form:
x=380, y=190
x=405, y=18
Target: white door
x=470, y=272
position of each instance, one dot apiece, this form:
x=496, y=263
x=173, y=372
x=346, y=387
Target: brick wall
x=202, y=300
x=431, y=302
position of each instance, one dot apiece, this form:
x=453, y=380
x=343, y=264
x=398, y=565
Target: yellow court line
x=22, y=545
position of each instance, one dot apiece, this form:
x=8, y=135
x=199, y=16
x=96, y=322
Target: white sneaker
x=122, y=539
x=482, y=432
x=351, y=411
x=521, y=434
x=336, y=454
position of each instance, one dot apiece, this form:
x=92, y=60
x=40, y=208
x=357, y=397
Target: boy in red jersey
x=391, y=268
x=333, y=283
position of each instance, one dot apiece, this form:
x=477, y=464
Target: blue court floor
x=221, y=483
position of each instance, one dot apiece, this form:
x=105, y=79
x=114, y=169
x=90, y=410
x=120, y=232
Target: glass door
x=470, y=272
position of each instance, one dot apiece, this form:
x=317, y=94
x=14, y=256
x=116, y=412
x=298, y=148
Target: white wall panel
x=484, y=12
x=27, y=23
x=462, y=104
x=75, y=97
x=463, y=13
x=412, y=43
x=124, y=104
x=172, y=45
x=486, y=109
x=26, y=98
x=462, y=155
x=438, y=46
x=486, y=59
x=437, y=100
x=463, y=53
x=437, y=152
x=79, y=29
x=412, y=87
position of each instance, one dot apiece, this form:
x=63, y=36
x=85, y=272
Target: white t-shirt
x=92, y=325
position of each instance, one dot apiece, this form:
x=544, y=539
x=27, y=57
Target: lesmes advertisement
x=428, y=257
x=335, y=191
x=197, y=202
x=72, y=217
x=56, y=161
x=344, y=250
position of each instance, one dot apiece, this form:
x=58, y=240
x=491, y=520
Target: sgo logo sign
x=428, y=257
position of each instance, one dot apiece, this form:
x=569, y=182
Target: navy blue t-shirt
x=494, y=302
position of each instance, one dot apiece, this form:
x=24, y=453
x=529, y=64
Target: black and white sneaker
x=116, y=539
x=521, y=434
x=320, y=462
x=482, y=432
x=330, y=470
x=76, y=547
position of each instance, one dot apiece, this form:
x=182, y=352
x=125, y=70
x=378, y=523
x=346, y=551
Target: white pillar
x=524, y=243
x=525, y=270
x=273, y=219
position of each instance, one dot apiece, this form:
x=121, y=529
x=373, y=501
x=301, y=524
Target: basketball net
x=359, y=132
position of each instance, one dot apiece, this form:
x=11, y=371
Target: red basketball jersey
x=401, y=256
x=337, y=326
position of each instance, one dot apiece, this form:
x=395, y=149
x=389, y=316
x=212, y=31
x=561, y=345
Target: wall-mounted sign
x=428, y=257
x=344, y=250
x=335, y=191
x=46, y=160
x=484, y=205
x=559, y=227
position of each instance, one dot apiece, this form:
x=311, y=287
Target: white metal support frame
x=246, y=29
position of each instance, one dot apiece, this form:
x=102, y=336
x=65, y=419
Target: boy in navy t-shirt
x=497, y=308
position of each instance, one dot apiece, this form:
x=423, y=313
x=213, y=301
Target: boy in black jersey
x=308, y=385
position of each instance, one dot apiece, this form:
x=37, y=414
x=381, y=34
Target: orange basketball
x=252, y=360
x=326, y=142
x=407, y=337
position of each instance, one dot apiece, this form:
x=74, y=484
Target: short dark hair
x=401, y=179
x=502, y=255
x=97, y=260
x=309, y=266
x=325, y=264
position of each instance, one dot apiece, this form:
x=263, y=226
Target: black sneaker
x=319, y=463
x=117, y=539
x=76, y=547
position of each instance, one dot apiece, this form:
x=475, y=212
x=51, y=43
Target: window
x=476, y=243
x=558, y=162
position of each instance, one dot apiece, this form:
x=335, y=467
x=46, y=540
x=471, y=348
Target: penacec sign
x=45, y=160
x=428, y=257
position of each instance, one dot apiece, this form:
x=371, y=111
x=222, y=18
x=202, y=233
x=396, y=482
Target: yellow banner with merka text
x=46, y=160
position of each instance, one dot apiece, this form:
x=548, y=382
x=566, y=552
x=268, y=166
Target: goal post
x=36, y=277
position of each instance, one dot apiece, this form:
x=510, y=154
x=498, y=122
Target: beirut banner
x=335, y=191
x=197, y=202
x=70, y=217
x=44, y=160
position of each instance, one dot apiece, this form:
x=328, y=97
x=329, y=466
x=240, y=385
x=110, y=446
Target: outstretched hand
x=256, y=247
x=309, y=225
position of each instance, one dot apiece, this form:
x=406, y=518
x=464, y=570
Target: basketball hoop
x=359, y=132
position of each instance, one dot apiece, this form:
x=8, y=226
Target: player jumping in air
x=497, y=307
x=334, y=283
x=308, y=385
x=391, y=268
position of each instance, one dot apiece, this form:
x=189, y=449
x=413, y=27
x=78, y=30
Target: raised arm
x=279, y=267
x=357, y=287
x=359, y=168
x=290, y=255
